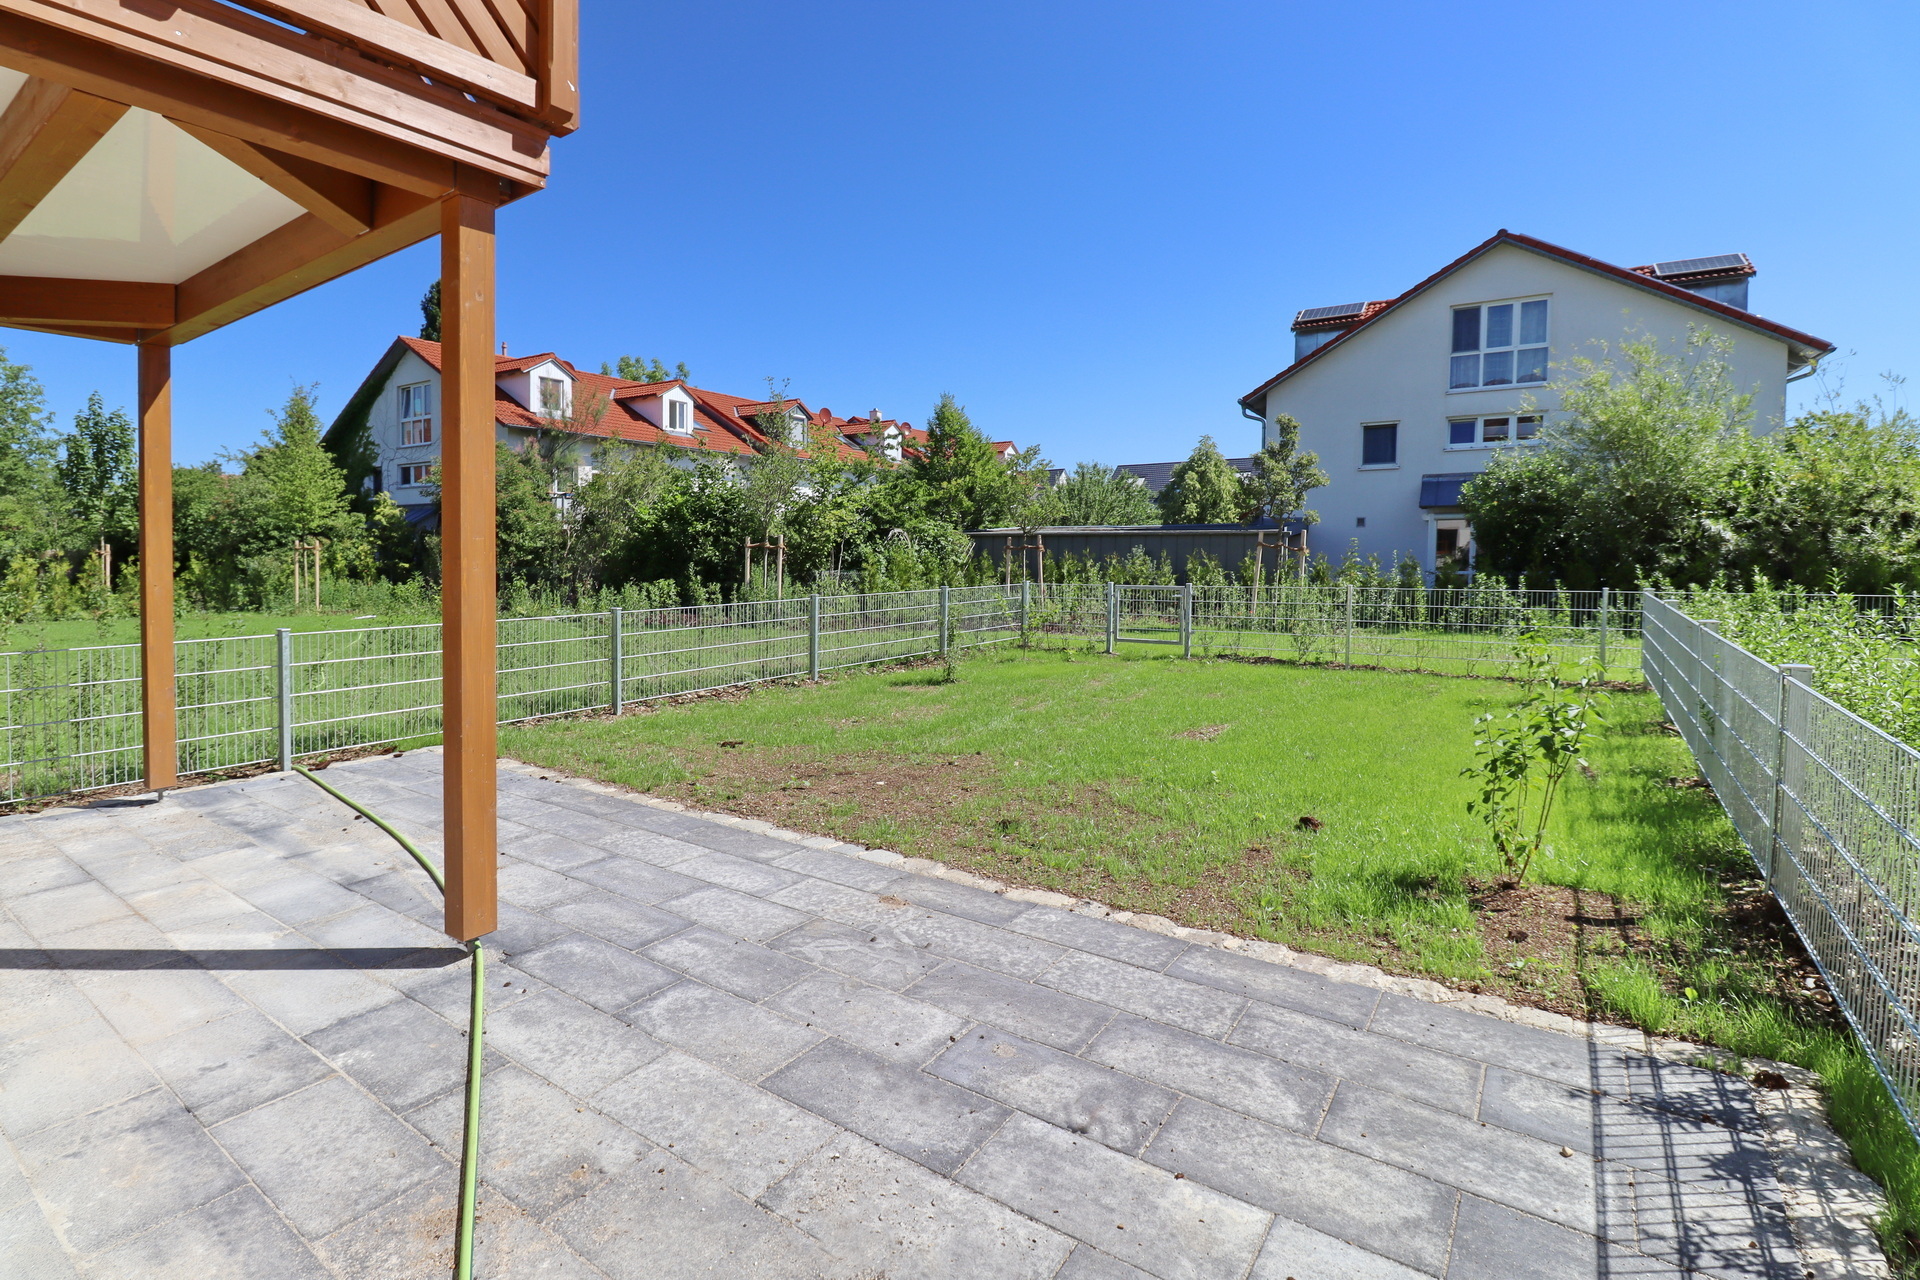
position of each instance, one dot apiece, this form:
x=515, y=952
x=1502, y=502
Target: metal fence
x=1467, y=631
x=70, y=718
x=1827, y=805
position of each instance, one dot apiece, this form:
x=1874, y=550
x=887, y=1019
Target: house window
x=1380, y=445
x=1503, y=344
x=553, y=397
x=416, y=413
x=416, y=473
x=1471, y=433
x=679, y=417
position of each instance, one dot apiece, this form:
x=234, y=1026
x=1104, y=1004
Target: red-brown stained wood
x=110, y=303
x=158, y=718
x=344, y=201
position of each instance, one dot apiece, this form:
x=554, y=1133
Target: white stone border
x=1830, y=1204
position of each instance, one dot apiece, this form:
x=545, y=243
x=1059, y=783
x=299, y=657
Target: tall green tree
x=965, y=483
x=1094, y=494
x=29, y=491
x=638, y=369
x=1205, y=489
x=98, y=475
x=430, y=313
x=290, y=486
x=1283, y=476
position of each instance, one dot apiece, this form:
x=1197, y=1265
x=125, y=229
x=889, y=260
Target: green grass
x=1176, y=787
x=83, y=632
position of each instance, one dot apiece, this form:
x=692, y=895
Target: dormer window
x=799, y=430
x=1501, y=344
x=553, y=397
x=416, y=413
x=679, y=417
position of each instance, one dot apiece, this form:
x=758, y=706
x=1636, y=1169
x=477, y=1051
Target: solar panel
x=1696, y=266
x=1342, y=311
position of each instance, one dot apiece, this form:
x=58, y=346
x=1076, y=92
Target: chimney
x=503, y=348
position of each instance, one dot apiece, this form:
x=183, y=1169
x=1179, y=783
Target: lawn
x=1318, y=807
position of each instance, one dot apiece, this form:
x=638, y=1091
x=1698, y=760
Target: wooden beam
x=467, y=585
x=344, y=201
x=158, y=717
x=246, y=77
x=128, y=336
x=113, y=304
x=292, y=259
x=45, y=131
x=558, y=67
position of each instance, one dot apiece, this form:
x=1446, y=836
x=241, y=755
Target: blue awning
x=1444, y=490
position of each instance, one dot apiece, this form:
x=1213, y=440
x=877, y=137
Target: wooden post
x=159, y=722
x=467, y=555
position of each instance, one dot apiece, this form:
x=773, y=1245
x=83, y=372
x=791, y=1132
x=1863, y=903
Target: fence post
x=1789, y=758
x=1186, y=619
x=615, y=654
x=1606, y=594
x=283, y=669
x=1346, y=628
x=1113, y=615
x=813, y=637
x=946, y=608
x=1025, y=593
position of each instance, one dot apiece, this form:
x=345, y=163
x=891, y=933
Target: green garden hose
x=476, y=1026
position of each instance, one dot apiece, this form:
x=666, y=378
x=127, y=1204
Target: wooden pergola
x=171, y=166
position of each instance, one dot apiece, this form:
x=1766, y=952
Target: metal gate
x=1150, y=615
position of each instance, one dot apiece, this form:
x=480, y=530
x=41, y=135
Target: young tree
x=29, y=492
x=530, y=539
x=98, y=476
x=430, y=313
x=636, y=369
x=964, y=482
x=1094, y=494
x=1282, y=476
x=1205, y=489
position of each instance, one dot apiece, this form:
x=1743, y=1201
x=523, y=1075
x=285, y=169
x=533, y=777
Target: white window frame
x=1380, y=466
x=415, y=404
x=679, y=417
x=423, y=470
x=1514, y=424
x=1513, y=348
x=559, y=408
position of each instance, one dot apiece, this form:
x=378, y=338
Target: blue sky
x=1092, y=222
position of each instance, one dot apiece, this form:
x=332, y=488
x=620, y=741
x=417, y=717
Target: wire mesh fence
x=1828, y=806
x=70, y=719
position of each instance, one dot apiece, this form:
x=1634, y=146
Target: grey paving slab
x=740, y=914
x=185, y=904
x=958, y=899
x=300, y=898
x=871, y=956
x=621, y=921
x=733, y=1034
x=1379, y=1207
x=407, y=1238
x=856, y=873
x=1565, y=1059
x=1170, y=1227
x=545, y=849
x=984, y=945
x=746, y=1137
x=605, y=976
x=890, y=1217
x=661, y=848
x=1118, y=985
x=745, y=874
x=113, y=1173
x=1296, y=1252
x=1277, y=984
x=233, y=1065
x=632, y=878
x=66, y=1072
x=1088, y=1263
x=568, y=1041
x=51, y=870
x=516, y=930
x=731, y=964
x=536, y=888
x=48, y=913
x=924, y=1119
x=1107, y=938
x=28, y=1247
x=1107, y=1105
x=1494, y=1242
x=1393, y=1066
x=149, y=1004
x=402, y=1053
x=237, y=1237
x=1236, y=1078
x=1051, y=1017
x=40, y=1000
x=326, y=1155
x=887, y=1025
x=305, y=1000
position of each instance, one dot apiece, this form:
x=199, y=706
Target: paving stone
x=51, y=870
x=40, y=1000
x=1541, y=1108
x=516, y=930
x=978, y=944
x=858, y=907
x=237, y=1237
x=859, y=953
x=605, y=976
x=662, y=849
x=538, y=1145
x=740, y=1038
x=129, y=872
x=1107, y=938
x=1509, y=1168
x=887, y=1215
x=1437, y=1079
x=448, y=989
x=301, y=898
x=839, y=868
x=66, y=1072
x=233, y=1065
x=327, y=1155
x=1724, y=1227
x=305, y=1000
x=744, y=874
x=112, y=1173
x=1685, y=1090
x=570, y=1043
x=924, y=1119
x=739, y=914
x=663, y=1218
x=744, y=1136
x=410, y=1237
x=241, y=930
x=621, y=921
x=1295, y=1252
x=123, y=942
x=1172, y=1228
x=1271, y=983
x=547, y=849
x=537, y=888
x=745, y=844
x=28, y=1248
x=372, y=926
x=1207, y=1010
x=1491, y=1040
x=890, y=1026
x=1106, y=1105
x=1088, y=1263
x=958, y=899
x=52, y=912
x=186, y=903
x=744, y=968
x=402, y=1052
x=1038, y=1013
x=510, y=1243
x=632, y=878
x=407, y=891
x=1235, y=1078
x=1376, y=1206
x=147, y=1004
x=1494, y=1242
x=246, y=867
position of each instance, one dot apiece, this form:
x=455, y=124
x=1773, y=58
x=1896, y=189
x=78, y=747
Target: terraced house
x=1406, y=399
x=390, y=428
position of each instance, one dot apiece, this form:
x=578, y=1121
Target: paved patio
x=231, y=1045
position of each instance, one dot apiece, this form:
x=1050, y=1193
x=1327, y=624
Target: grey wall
x=1229, y=544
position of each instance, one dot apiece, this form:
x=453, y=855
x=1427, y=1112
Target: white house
x=1406, y=399
x=388, y=435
